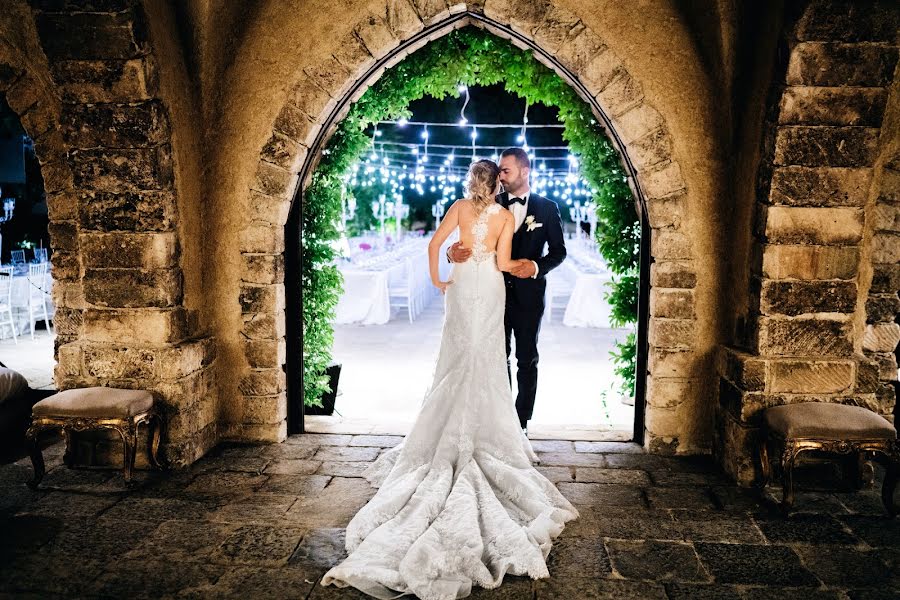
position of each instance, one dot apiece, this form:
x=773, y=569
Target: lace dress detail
x=480, y=253
x=459, y=501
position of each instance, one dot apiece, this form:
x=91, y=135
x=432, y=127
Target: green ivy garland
x=467, y=56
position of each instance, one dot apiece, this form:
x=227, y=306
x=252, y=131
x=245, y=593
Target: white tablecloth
x=21, y=285
x=588, y=306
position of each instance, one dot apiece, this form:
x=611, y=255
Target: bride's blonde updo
x=481, y=183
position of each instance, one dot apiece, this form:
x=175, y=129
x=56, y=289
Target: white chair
x=402, y=294
x=37, y=296
x=40, y=255
x=560, y=283
x=17, y=257
x=6, y=313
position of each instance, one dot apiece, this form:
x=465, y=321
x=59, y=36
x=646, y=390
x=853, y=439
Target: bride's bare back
x=463, y=214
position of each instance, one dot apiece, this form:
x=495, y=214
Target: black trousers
x=525, y=325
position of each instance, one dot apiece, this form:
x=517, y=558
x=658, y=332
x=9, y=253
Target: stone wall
x=800, y=341
x=114, y=221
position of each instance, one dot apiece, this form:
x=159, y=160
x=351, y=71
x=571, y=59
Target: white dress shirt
x=519, y=211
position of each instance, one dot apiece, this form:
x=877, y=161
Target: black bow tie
x=514, y=199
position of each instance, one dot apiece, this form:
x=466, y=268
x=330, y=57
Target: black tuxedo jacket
x=528, y=294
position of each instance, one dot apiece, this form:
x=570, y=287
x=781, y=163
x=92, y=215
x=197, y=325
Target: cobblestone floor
x=266, y=522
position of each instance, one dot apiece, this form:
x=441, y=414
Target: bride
x=459, y=501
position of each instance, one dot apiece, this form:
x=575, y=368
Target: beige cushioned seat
x=95, y=402
x=827, y=421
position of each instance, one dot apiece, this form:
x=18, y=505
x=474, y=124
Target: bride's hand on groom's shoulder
x=442, y=285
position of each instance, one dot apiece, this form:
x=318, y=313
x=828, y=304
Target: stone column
x=117, y=266
x=798, y=342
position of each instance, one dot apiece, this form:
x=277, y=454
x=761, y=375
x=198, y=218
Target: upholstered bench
x=90, y=409
x=833, y=428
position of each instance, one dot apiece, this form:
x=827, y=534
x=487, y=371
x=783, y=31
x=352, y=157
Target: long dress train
x=459, y=501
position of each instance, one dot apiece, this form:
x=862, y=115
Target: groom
x=537, y=224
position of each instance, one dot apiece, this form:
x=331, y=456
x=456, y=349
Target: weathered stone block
x=836, y=64
x=262, y=298
x=672, y=333
x=663, y=182
x=881, y=337
x=262, y=238
x=826, y=146
x=262, y=268
x=651, y=149
x=810, y=376
x=139, y=326
x=886, y=217
x=848, y=21
x=283, y=152
x=886, y=247
x=882, y=307
x=668, y=244
x=800, y=297
x=65, y=265
x=556, y=26
x=885, y=278
x=810, y=262
x=24, y=93
x=256, y=433
x=296, y=123
x=265, y=409
x=579, y=51
x=744, y=370
x=85, y=35
x=804, y=337
x=637, y=123
x=600, y=71
x=274, y=181
x=403, y=19
x=376, y=34
x=886, y=363
x=832, y=106
x=133, y=288
x=826, y=226
x=122, y=169
x=263, y=326
x=521, y=16
x=263, y=382
x=269, y=209
x=116, y=125
x=667, y=212
x=621, y=95
x=665, y=392
x=886, y=399
x=736, y=449
x=167, y=363
x=128, y=211
x=105, y=81
x=129, y=250
x=331, y=76
x=62, y=206
x=68, y=293
x=57, y=175
x=67, y=322
x=265, y=354
x=823, y=186
x=64, y=235
x=673, y=274
x=671, y=362
x=866, y=376
x=672, y=303
x=41, y=120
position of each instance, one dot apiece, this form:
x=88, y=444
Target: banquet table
x=21, y=285
x=368, y=280
x=587, y=305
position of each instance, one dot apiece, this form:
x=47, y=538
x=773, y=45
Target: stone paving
x=267, y=522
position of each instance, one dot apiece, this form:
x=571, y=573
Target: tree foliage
x=471, y=57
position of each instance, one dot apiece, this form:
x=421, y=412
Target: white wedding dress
x=459, y=501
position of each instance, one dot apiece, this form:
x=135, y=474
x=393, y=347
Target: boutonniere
x=531, y=224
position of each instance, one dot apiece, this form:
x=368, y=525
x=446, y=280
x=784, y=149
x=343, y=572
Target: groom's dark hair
x=521, y=157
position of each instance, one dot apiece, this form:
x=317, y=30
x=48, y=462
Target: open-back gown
x=459, y=502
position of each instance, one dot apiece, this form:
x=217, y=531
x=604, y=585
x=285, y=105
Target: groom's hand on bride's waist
x=526, y=269
x=457, y=253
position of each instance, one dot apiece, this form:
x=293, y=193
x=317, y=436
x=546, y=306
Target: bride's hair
x=481, y=183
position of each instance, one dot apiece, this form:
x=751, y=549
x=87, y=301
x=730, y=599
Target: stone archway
x=577, y=53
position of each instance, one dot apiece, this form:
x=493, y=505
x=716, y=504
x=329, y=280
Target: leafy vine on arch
x=468, y=56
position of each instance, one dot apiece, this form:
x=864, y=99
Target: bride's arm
x=504, y=244
x=448, y=224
